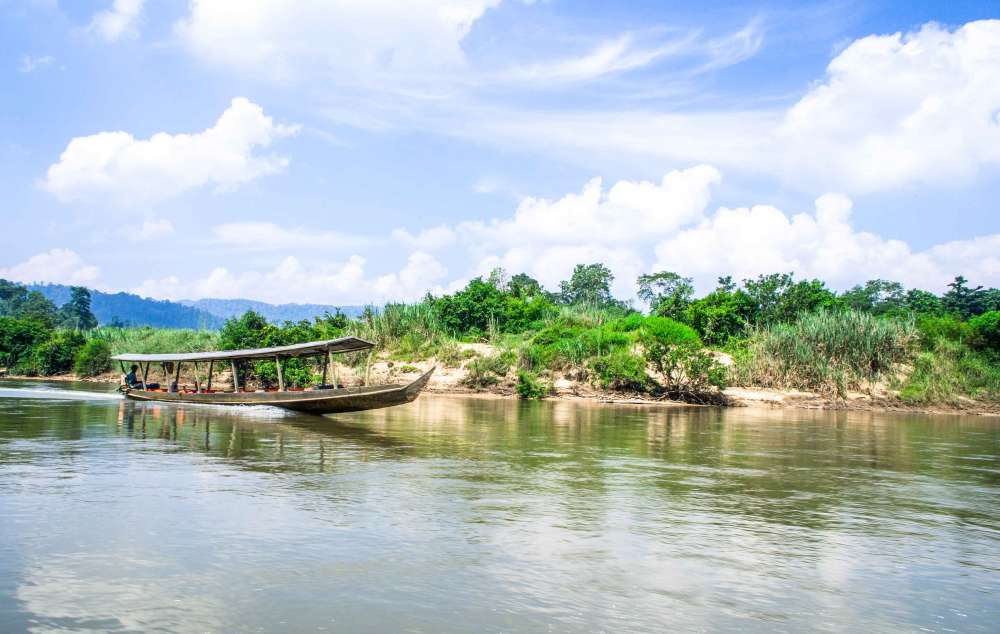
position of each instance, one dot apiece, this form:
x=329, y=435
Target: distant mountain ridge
x=203, y=314
x=134, y=310
x=226, y=308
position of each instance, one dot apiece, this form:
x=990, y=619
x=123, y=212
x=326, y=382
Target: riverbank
x=450, y=382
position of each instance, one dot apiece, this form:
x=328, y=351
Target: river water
x=471, y=515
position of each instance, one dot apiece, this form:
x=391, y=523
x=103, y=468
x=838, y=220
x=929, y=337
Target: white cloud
x=613, y=56
x=421, y=274
x=629, y=212
x=292, y=281
x=749, y=241
x=355, y=39
x=150, y=229
x=428, y=239
x=56, y=266
x=117, y=167
x=30, y=64
x=268, y=236
x=121, y=20
x=891, y=111
x=898, y=109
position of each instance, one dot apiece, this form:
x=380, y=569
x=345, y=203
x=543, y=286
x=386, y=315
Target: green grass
x=146, y=340
x=949, y=371
x=829, y=352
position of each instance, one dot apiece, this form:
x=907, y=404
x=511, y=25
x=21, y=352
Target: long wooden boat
x=325, y=399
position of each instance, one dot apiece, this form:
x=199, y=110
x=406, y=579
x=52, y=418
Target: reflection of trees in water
x=259, y=440
x=784, y=466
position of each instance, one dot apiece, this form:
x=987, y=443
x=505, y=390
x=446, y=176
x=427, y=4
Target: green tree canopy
x=668, y=294
x=590, y=284
x=76, y=313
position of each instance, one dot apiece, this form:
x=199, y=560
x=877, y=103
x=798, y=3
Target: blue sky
x=340, y=152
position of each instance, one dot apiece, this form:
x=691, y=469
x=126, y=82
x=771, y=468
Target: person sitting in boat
x=134, y=382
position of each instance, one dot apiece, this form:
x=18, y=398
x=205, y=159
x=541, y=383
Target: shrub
x=56, y=355
x=826, y=351
x=407, y=368
x=565, y=345
x=18, y=338
x=947, y=327
x=674, y=349
x=949, y=371
x=985, y=331
x=93, y=358
x=484, y=372
x=529, y=386
x=620, y=370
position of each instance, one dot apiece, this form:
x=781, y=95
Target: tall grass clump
x=410, y=331
x=148, y=340
x=830, y=352
x=949, y=371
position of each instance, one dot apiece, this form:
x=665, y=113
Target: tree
x=668, y=294
x=524, y=286
x=876, y=296
x=37, y=307
x=964, y=300
x=590, y=284
x=923, y=302
x=250, y=330
x=76, y=313
x=779, y=298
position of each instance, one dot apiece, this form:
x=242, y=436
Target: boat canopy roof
x=312, y=348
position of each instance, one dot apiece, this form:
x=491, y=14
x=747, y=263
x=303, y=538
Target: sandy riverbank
x=448, y=381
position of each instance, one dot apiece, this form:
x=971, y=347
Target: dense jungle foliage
x=775, y=331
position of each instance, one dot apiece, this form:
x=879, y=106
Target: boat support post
x=145, y=372
x=236, y=377
x=281, y=378
x=210, y=364
x=177, y=377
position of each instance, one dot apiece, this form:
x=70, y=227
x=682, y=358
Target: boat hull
x=350, y=399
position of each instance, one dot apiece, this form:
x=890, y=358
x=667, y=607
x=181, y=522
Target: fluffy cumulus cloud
x=291, y=280
x=748, y=241
x=56, y=266
x=902, y=108
x=116, y=167
x=628, y=212
x=355, y=39
x=547, y=238
x=120, y=20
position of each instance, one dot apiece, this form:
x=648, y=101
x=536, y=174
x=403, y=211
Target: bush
x=18, y=338
x=949, y=371
x=529, y=386
x=93, y=358
x=946, y=327
x=56, y=355
x=674, y=349
x=484, y=372
x=827, y=351
x=985, y=331
x=565, y=344
x=620, y=370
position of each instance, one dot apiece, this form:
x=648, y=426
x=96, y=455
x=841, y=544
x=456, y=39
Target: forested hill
x=201, y=314
x=126, y=308
x=275, y=313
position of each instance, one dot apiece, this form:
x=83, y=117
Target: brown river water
x=471, y=515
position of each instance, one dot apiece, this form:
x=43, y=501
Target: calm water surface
x=454, y=514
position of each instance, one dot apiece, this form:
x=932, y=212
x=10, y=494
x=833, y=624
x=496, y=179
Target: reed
x=148, y=340
x=830, y=352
